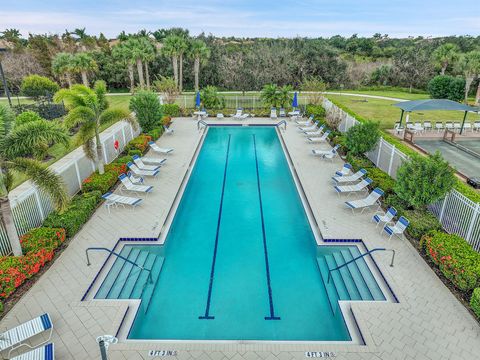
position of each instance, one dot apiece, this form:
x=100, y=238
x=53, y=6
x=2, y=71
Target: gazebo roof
x=434, y=104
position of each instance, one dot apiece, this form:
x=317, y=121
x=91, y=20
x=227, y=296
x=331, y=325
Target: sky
x=247, y=18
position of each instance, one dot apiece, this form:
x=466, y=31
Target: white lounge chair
x=158, y=149
x=45, y=352
x=307, y=123
x=317, y=132
x=135, y=180
x=345, y=170
x=448, y=125
x=135, y=170
x=282, y=112
x=167, y=130
x=241, y=117
x=115, y=200
x=396, y=229
x=322, y=138
x=467, y=126
x=145, y=189
x=16, y=337
x=327, y=154
x=238, y=113
x=457, y=126
x=360, y=186
x=273, y=113
x=312, y=127
x=351, y=178
x=427, y=125
x=371, y=200
x=386, y=217
x=439, y=126
x=476, y=126
x=142, y=166
x=152, y=160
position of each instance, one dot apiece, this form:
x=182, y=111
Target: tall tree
x=122, y=52
x=83, y=40
x=200, y=54
x=182, y=49
x=89, y=109
x=148, y=55
x=62, y=65
x=445, y=55
x=174, y=46
x=469, y=65
x=16, y=144
x=83, y=63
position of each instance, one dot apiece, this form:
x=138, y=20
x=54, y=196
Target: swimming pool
x=240, y=260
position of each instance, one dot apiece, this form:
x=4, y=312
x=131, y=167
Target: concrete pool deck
x=427, y=323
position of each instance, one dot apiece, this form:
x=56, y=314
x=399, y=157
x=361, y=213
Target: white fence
x=457, y=214
x=30, y=206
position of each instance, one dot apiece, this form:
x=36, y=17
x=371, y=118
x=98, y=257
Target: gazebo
x=435, y=104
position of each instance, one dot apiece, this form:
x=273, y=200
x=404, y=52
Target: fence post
x=472, y=222
x=78, y=174
x=379, y=151
x=184, y=101
x=440, y=218
x=104, y=152
x=124, y=137
x=236, y=101
x=39, y=204
x=391, y=161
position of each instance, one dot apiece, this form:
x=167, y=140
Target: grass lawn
x=392, y=94
x=387, y=115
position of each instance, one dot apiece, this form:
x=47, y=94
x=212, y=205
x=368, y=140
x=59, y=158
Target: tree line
x=229, y=63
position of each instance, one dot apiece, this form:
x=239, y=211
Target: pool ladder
x=283, y=122
x=359, y=257
x=120, y=257
x=201, y=122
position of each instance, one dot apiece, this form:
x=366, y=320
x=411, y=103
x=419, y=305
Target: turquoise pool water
x=240, y=260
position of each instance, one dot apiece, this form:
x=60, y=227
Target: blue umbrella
x=295, y=100
x=197, y=99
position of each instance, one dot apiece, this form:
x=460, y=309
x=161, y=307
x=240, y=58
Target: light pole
x=2, y=74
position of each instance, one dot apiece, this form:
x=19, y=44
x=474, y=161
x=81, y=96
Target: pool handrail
x=358, y=257
x=120, y=257
x=280, y=123
x=201, y=122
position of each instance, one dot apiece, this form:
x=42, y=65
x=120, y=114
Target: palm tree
x=148, y=55
x=174, y=46
x=445, y=55
x=284, y=95
x=270, y=95
x=122, y=52
x=89, y=109
x=200, y=54
x=62, y=65
x=16, y=144
x=83, y=39
x=182, y=48
x=83, y=63
x=469, y=65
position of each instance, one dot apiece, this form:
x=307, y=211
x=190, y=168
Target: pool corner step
x=149, y=288
x=330, y=289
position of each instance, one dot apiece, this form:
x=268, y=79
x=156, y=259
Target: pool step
x=353, y=281
x=149, y=288
x=330, y=288
x=112, y=274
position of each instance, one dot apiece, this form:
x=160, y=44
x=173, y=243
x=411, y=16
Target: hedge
x=316, y=110
x=139, y=143
x=421, y=222
x=455, y=258
x=460, y=186
x=39, y=245
x=77, y=213
x=172, y=110
x=475, y=301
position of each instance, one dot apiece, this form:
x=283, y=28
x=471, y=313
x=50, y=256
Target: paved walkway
x=428, y=323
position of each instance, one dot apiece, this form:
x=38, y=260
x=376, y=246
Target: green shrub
x=127, y=158
x=421, y=222
x=139, y=143
x=37, y=86
x=26, y=117
x=359, y=162
x=42, y=238
x=132, y=153
x=454, y=257
x=446, y=87
x=393, y=200
x=147, y=108
x=211, y=99
x=172, y=110
x=317, y=111
x=155, y=133
x=475, y=301
x=423, y=180
x=97, y=182
x=77, y=213
x=381, y=180
x=362, y=137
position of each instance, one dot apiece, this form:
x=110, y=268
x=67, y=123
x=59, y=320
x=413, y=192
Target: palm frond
x=25, y=139
x=44, y=178
x=6, y=180
x=7, y=120
x=113, y=115
x=78, y=115
x=85, y=137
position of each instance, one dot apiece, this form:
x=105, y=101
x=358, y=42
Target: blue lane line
x=265, y=249
x=207, y=315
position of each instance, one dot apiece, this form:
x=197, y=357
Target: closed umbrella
x=295, y=100
x=197, y=99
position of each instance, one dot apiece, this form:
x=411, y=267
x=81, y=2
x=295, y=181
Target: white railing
x=30, y=206
x=457, y=214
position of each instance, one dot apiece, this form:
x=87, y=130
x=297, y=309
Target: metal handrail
x=282, y=122
x=358, y=257
x=201, y=122
x=119, y=256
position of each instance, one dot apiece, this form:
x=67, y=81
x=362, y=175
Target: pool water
x=240, y=260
